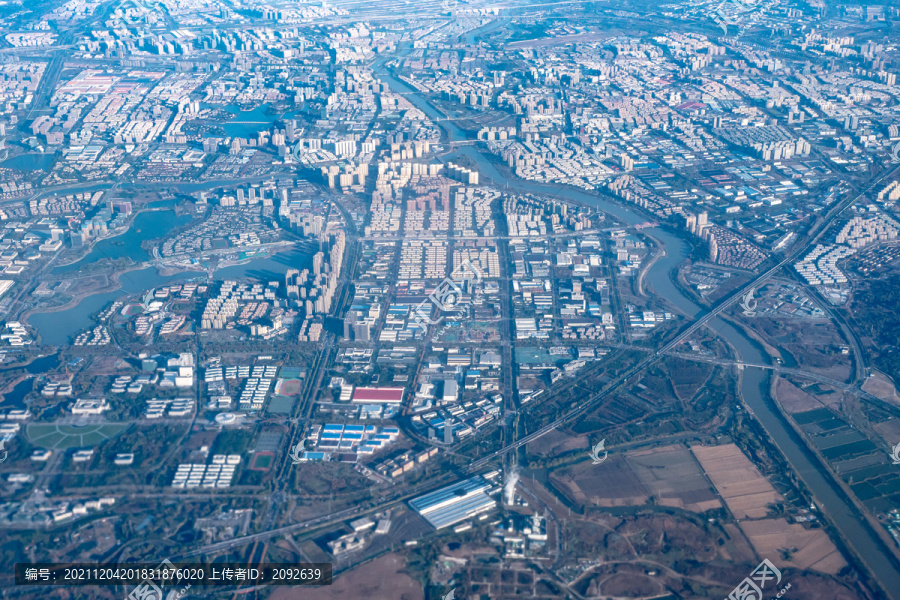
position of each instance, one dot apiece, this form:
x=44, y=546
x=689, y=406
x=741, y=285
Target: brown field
x=888, y=430
x=813, y=548
x=381, y=579
x=746, y=492
x=881, y=386
x=669, y=474
x=793, y=399
x=673, y=476
x=612, y=483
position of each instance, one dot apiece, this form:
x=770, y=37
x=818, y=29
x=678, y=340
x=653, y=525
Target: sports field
x=288, y=387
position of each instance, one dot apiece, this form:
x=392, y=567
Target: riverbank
x=861, y=511
x=659, y=253
x=854, y=532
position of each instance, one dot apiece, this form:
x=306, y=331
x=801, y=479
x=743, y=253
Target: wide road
x=325, y=520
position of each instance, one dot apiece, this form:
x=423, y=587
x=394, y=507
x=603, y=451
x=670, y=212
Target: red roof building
x=364, y=395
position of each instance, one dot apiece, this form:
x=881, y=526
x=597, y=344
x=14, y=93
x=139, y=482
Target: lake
x=149, y=225
x=29, y=162
x=57, y=328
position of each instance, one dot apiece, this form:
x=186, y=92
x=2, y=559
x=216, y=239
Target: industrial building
x=387, y=395
x=450, y=505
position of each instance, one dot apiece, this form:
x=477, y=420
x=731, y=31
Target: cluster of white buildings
x=217, y=474
x=90, y=406
x=861, y=231
x=97, y=336
x=17, y=335
x=179, y=372
x=177, y=407
x=222, y=308
x=214, y=374
x=819, y=267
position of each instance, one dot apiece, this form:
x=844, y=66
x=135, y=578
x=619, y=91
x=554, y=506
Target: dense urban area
x=450, y=299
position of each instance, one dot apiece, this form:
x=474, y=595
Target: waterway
x=148, y=225
x=855, y=532
x=247, y=123
x=30, y=162
x=58, y=328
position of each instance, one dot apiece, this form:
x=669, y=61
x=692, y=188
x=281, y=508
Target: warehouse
x=455, y=503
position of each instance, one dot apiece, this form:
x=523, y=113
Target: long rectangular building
x=386, y=395
x=458, y=502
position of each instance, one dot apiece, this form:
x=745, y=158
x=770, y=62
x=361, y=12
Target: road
x=596, y=398
x=842, y=385
x=591, y=402
x=317, y=522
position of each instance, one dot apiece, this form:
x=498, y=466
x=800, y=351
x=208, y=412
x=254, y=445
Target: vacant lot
x=794, y=399
x=880, y=385
x=746, y=492
x=381, y=579
x=556, y=443
x=670, y=474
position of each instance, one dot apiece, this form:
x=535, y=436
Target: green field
x=292, y=372
x=281, y=405
x=62, y=437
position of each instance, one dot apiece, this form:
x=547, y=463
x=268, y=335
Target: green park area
x=62, y=437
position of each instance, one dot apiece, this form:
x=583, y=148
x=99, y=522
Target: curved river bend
x=855, y=531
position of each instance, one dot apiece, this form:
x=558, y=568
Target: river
x=856, y=532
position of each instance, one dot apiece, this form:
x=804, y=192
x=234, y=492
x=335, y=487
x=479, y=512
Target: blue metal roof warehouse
x=452, y=504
